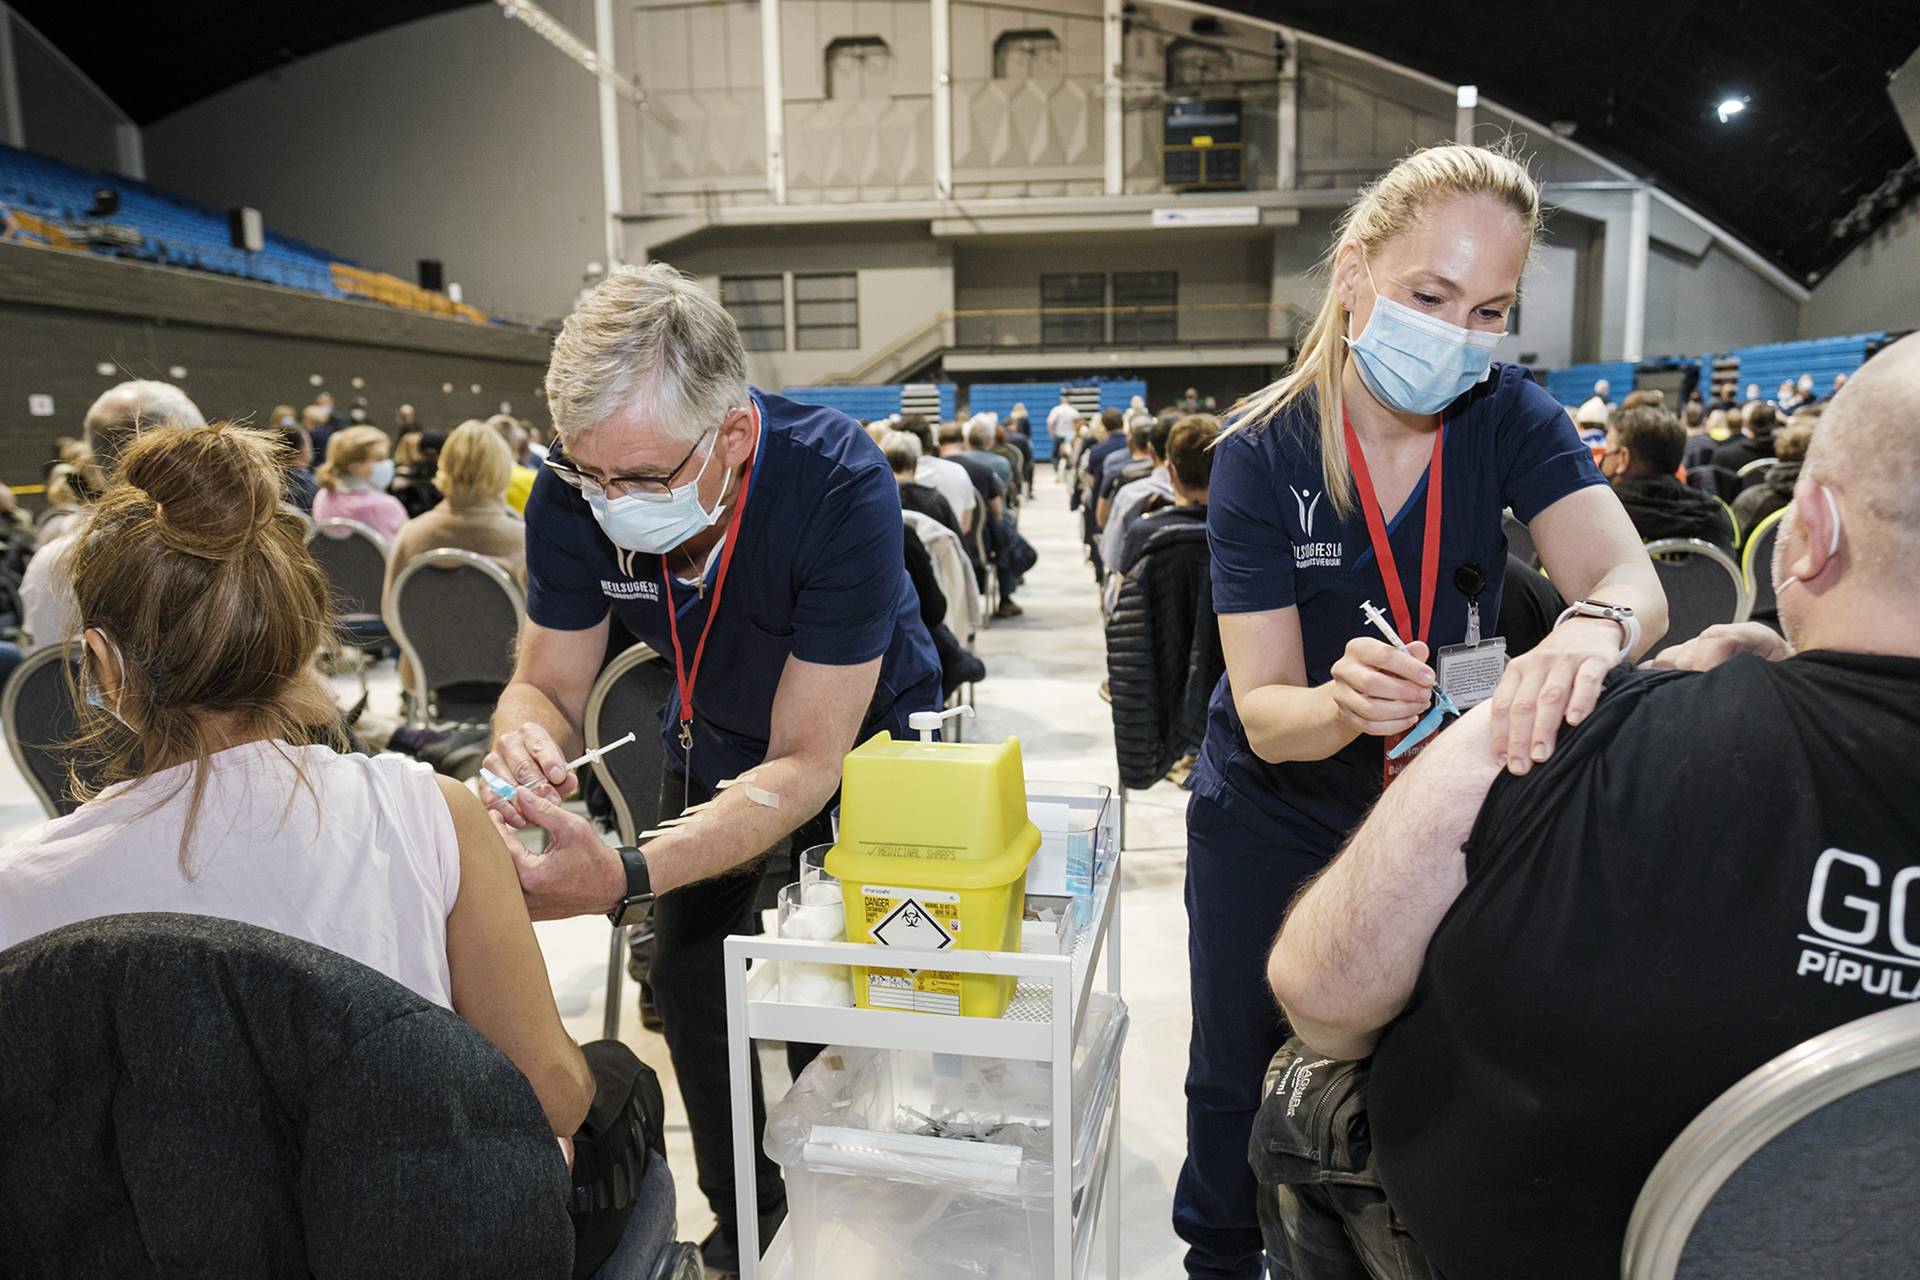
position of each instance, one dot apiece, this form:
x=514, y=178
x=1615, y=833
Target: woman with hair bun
x=201, y=614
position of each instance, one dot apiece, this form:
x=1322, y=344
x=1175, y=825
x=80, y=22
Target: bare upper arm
x=1584, y=536
x=1262, y=649
x=500, y=982
x=561, y=664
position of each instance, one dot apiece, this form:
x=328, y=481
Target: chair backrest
x=257, y=1105
x=1703, y=587
x=457, y=616
x=305, y=518
x=1756, y=470
x=1803, y=1168
x=629, y=697
x=1733, y=521
x=955, y=572
x=354, y=558
x=39, y=717
x=1757, y=567
x=1520, y=539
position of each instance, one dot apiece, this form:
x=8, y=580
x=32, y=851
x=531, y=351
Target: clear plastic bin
x=1075, y=823
x=870, y=1197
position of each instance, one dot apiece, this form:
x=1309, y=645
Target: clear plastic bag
x=881, y=1183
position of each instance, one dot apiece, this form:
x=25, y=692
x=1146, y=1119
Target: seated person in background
x=73, y=482
x=470, y=478
x=1643, y=451
x=957, y=665
x=981, y=438
x=520, y=445
x=947, y=478
x=1123, y=468
x=1106, y=436
x=202, y=614
x=319, y=420
x=1755, y=441
x=1189, y=453
x=415, y=459
x=354, y=479
x=903, y=455
x=1756, y=502
x=296, y=456
x=989, y=489
x=122, y=412
x=1520, y=942
x=1700, y=444
x=1013, y=434
x=1132, y=497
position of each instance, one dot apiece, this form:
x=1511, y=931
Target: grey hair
x=650, y=340
x=902, y=449
x=980, y=432
x=124, y=411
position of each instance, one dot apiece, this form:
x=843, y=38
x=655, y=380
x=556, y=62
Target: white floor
x=1043, y=673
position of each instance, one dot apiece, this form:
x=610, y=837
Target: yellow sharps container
x=933, y=851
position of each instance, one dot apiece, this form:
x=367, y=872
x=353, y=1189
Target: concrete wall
x=1708, y=303
x=244, y=347
x=1875, y=287
x=905, y=283
x=61, y=116
x=463, y=137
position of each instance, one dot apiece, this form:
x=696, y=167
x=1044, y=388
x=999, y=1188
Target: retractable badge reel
x=1469, y=672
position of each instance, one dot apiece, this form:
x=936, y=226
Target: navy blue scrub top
x=819, y=575
x=1277, y=541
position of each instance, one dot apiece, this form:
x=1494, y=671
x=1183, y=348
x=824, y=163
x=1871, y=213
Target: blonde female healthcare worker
x=1375, y=471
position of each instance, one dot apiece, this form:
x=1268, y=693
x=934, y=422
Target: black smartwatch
x=639, y=894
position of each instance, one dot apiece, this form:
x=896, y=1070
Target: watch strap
x=639, y=884
x=1629, y=624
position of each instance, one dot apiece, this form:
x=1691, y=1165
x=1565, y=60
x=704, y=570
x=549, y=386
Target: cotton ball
x=821, y=984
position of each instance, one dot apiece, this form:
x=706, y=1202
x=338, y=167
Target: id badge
x=1469, y=673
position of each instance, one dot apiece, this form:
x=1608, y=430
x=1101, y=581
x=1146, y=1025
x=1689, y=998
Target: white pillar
x=1634, y=338
x=1287, y=167
x=773, y=85
x=1115, y=52
x=610, y=179
x=129, y=150
x=941, y=16
x=1465, y=98
x=13, y=125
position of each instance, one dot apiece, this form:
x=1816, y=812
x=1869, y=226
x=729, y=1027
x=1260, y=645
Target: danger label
x=916, y=919
x=912, y=925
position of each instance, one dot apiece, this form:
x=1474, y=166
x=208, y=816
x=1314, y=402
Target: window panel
x=1069, y=315
x=1159, y=290
x=758, y=305
x=826, y=312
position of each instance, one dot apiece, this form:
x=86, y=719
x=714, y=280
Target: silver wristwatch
x=1612, y=613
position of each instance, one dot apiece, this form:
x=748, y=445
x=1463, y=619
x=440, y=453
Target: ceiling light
x=1729, y=108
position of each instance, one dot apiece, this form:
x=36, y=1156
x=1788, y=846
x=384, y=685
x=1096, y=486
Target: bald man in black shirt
x=1557, y=965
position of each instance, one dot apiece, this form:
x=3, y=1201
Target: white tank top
x=371, y=874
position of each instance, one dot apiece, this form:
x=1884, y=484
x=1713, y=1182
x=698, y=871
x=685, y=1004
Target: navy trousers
x=1238, y=885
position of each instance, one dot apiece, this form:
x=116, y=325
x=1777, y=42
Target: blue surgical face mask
x=1417, y=363
x=656, y=525
x=382, y=477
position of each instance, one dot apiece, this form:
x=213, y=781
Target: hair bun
x=214, y=489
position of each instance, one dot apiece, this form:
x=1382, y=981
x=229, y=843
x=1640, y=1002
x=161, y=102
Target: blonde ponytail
x=1384, y=210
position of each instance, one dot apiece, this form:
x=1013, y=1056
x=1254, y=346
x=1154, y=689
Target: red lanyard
x=682, y=675
x=1383, y=550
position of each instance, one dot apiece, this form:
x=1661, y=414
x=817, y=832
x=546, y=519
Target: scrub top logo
x=1305, y=508
x=1308, y=554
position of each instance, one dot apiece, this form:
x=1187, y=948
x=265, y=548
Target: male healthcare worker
x=755, y=544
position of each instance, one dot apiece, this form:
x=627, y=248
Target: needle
x=505, y=790
x=1385, y=628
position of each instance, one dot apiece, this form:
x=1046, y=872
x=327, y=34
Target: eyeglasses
x=652, y=487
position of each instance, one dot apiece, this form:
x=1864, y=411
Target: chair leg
x=616, y=970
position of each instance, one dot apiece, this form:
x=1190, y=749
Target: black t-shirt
x=926, y=500
x=1739, y=451
x=985, y=479
x=1630, y=944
